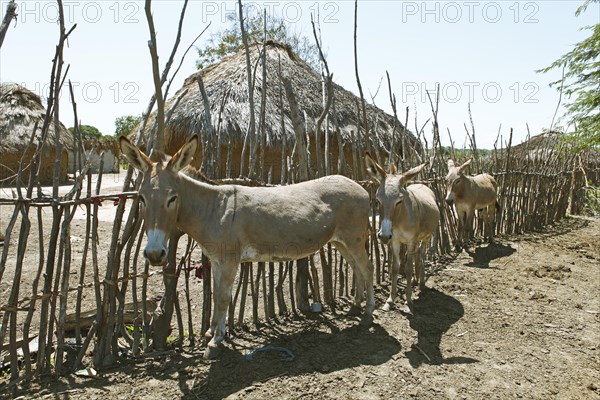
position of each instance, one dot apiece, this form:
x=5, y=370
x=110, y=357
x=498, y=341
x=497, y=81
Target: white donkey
x=410, y=216
x=470, y=193
x=235, y=224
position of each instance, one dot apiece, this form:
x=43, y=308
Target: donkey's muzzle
x=385, y=239
x=156, y=257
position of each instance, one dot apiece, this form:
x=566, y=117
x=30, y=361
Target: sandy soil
x=516, y=319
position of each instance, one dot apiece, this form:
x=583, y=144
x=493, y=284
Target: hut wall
x=9, y=165
x=273, y=160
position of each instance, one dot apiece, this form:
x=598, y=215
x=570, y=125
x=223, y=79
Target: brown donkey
x=470, y=193
x=410, y=216
x=235, y=224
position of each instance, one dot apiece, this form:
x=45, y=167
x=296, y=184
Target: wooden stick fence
x=532, y=194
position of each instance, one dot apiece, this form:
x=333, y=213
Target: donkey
x=234, y=224
x=410, y=216
x=470, y=193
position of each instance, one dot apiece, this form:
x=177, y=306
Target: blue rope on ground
x=286, y=356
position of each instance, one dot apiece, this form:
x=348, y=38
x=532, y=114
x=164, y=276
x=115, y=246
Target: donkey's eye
x=171, y=201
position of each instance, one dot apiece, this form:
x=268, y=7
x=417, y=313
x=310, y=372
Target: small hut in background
x=227, y=91
x=20, y=111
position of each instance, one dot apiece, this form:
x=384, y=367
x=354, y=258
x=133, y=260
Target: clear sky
x=480, y=52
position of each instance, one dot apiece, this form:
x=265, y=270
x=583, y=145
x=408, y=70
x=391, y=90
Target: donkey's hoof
x=408, y=309
x=354, y=311
x=387, y=307
x=366, y=320
x=211, y=352
x=208, y=334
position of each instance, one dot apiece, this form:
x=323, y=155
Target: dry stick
x=327, y=91
x=159, y=140
x=393, y=139
x=250, y=135
x=262, y=267
x=473, y=142
x=217, y=172
x=188, y=300
x=270, y=308
x=263, y=101
x=324, y=113
x=362, y=97
x=134, y=295
x=64, y=289
x=34, y=286
x=247, y=270
x=128, y=238
x=283, y=132
x=207, y=139
x=11, y=310
x=291, y=284
x=281, y=306
x=301, y=148
x=9, y=15
x=255, y=287
x=88, y=221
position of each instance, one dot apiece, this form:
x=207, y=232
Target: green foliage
x=229, y=40
x=581, y=83
x=88, y=132
x=125, y=124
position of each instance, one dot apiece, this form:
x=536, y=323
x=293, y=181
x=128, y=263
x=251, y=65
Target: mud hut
x=20, y=111
x=226, y=88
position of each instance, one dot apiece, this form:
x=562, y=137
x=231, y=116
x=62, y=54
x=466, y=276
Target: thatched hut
x=20, y=111
x=227, y=91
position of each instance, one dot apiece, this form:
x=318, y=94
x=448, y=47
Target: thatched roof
x=226, y=86
x=20, y=109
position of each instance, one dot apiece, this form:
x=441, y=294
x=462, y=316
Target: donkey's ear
x=450, y=163
x=373, y=168
x=134, y=156
x=466, y=164
x=184, y=156
x=411, y=173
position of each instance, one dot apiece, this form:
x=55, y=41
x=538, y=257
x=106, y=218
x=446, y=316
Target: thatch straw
x=20, y=110
x=227, y=79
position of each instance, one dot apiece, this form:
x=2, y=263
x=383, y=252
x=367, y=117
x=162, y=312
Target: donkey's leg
x=419, y=265
x=359, y=261
x=363, y=267
x=461, y=222
x=469, y=230
x=224, y=276
x=389, y=304
x=408, y=271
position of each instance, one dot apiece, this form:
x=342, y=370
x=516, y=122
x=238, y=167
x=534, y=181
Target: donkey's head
x=159, y=194
x=455, y=180
x=391, y=192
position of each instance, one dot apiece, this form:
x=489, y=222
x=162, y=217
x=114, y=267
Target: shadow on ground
x=482, y=255
x=435, y=312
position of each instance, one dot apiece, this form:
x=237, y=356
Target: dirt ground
x=516, y=319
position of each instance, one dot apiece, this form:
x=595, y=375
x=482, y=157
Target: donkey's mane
x=198, y=175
